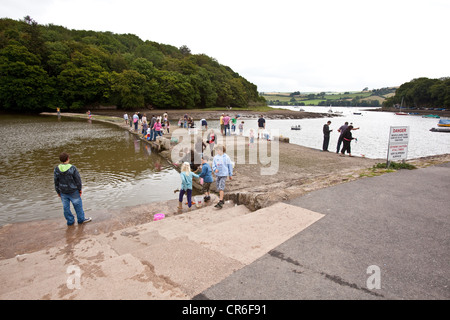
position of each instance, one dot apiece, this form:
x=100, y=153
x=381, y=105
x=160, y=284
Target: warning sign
x=398, y=143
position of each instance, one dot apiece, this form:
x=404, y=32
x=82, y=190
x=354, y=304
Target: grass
x=380, y=168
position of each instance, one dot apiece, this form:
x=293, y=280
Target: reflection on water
x=117, y=169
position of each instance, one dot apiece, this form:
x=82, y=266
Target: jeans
x=326, y=141
x=152, y=134
x=188, y=194
x=75, y=198
x=157, y=133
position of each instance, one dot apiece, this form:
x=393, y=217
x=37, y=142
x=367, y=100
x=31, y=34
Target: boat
x=444, y=123
x=431, y=116
x=441, y=129
x=297, y=127
x=357, y=113
x=401, y=113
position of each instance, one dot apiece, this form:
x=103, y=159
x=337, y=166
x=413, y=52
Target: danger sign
x=398, y=143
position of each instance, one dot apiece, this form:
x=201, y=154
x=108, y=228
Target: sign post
x=398, y=144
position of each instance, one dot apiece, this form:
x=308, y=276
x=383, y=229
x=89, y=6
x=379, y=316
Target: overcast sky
x=282, y=45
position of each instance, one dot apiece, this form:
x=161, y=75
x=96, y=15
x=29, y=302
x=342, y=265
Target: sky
x=282, y=45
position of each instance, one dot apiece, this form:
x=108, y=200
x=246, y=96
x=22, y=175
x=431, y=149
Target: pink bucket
x=158, y=216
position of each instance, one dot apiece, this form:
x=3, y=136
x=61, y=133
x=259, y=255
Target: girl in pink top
x=157, y=127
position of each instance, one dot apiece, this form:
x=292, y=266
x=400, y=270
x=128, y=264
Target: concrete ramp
x=174, y=258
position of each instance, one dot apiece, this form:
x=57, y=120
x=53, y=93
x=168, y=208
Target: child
x=186, y=184
x=241, y=128
x=206, y=174
x=211, y=139
x=252, y=137
x=223, y=168
x=168, y=126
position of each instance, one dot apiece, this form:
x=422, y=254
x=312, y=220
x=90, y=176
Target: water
x=117, y=169
x=372, y=136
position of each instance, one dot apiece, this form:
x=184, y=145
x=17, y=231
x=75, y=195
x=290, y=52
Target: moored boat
x=441, y=129
x=431, y=116
x=444, y=123
x=297, y=127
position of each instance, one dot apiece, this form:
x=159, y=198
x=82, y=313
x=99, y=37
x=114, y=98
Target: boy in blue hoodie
x=206, y=174
x=223, y=168
x=68, y=187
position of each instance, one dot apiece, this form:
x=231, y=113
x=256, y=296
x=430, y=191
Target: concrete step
x=122, y=277
x=174, y=258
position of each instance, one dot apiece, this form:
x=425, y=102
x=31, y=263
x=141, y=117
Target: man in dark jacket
x=326, y=136
x=68, y=187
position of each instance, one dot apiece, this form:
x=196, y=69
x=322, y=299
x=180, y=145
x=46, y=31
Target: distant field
x=285, y=97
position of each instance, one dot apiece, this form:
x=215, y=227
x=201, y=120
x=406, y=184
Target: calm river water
x=119, y=171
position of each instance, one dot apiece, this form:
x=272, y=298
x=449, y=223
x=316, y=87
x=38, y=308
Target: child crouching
x=206, y=174
x=186, y=184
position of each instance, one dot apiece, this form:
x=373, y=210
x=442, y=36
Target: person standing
x=157, y=127
x=152, y=124
x=341, y=130
x=226, y=123
x=186, y=176
x=125, y=117
x=211, y=139
x=223, y=168
x=68, y=186
x=261, y=126
x=326, y=136
x=222, y=126
x=135, y=121
x=347, y=139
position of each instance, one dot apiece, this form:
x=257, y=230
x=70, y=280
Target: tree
x=185, y=50
x=24, y=84
x=128, y=89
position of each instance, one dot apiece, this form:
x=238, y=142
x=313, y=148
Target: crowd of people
x=345, y=138
x=149, y=128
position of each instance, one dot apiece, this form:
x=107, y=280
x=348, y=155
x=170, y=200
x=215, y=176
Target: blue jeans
x=157, y=133
x=75, y=198
x=152, y=134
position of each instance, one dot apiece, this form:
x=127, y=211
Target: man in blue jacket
x=68, y=187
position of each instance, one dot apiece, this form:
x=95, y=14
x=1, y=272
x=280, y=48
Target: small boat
x=401, y=113
x=357, y=113
x=442, y=129
x=297, y=127
x=444, y=123
x=431, y=116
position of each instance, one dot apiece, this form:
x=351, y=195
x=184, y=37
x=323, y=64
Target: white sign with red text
x=398, y=143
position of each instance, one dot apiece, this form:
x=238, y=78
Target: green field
x=314, y=99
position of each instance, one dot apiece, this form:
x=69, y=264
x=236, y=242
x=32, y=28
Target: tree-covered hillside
x=43, y=67
x=422, y=93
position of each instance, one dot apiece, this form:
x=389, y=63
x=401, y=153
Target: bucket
x=198, y=201
x=158, y=216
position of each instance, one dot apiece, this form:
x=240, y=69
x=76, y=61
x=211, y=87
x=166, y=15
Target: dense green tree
x=44, y=67
x=422, y=92
x=24, y=84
